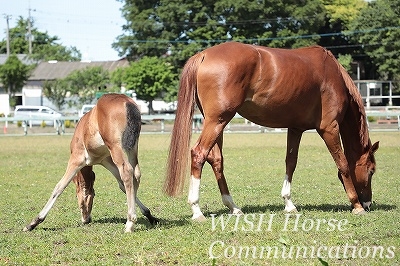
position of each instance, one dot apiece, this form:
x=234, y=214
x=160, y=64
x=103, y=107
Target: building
x=4, y=99
x=31, y=93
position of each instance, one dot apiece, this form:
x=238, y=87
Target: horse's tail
x=178, y=158
x=357, y=100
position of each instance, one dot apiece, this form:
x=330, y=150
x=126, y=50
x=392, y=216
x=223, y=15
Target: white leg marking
x=228, y=202
x=129, y=226
x=289, y=206
x=194, y=197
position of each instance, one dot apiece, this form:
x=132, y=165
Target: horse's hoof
x=294, y=210
x=86, y=220
x=359, y=211
x=26, y=229
x=237, y=212
x=199, y=218
x=154, y=221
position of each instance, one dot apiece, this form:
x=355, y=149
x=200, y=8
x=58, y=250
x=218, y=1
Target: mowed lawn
x=324, y=232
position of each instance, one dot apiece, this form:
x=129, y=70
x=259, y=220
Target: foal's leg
x=109, y=165
x=127, y=171
x=292, y=151
x=330, y=135
x=74, y=165
x=84, y=181
x=216, y=160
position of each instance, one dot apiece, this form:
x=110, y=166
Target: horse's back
x=123, y=123
x=271, y=86
x=114, y=120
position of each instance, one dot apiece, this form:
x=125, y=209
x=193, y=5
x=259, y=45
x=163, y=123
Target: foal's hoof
x=26, y=229
x=86, y=220
x=359, y=211
x=154, y=221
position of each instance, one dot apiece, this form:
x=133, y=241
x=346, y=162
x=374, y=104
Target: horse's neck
x=354, y=134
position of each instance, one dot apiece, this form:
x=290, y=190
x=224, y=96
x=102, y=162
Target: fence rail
x=390, y=115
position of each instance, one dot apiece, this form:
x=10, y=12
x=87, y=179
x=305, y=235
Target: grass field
x=254, y=166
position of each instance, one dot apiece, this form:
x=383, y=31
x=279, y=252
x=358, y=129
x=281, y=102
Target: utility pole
x=29, y=31
x=8, y=17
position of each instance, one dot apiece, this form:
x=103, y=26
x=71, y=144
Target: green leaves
x=44, y=46
x=13, y=74
x=151, y=78
x=379, y=35
x=185, y=27
x=85, y=83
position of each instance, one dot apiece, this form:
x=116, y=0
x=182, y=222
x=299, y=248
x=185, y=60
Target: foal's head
x=364, y=169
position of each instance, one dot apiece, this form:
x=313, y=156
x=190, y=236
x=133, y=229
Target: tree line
x=160, y=35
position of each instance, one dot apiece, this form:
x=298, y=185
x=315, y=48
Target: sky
x=89, y=25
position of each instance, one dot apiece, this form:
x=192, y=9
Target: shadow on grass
x=185, y=220
x=144, y=221
x=300, y=208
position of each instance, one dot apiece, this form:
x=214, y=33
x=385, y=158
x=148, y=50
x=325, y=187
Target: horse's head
x=364, y=169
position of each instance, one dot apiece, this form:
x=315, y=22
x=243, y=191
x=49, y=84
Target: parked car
x=36, y=115
x=85, y=108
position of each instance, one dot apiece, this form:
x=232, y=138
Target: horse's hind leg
x=109, y=165
x=84, y=181
x=216, y=161
x=292, y=151
x=199, y=154
x=127, y=171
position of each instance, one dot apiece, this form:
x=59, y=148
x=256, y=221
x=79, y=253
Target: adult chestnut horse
x=298, y=89
x=107, y=135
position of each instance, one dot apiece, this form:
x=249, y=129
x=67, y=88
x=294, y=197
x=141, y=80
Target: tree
x=151, y=78
x=378, y=36
x=85, y=83
x=56, y=91
x=117, y=79
x=44, y=46
x=339, y=16
x=13, y=75
x=179, y=28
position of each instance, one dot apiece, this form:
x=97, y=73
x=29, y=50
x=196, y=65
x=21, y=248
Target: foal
x=107, y=135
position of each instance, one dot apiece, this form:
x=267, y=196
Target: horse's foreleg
x=84, y=181
x=292, y=151
x=216, y=161
x=59, y=188
x=332, y=140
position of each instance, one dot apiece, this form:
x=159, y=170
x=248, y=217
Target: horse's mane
x=356, y=98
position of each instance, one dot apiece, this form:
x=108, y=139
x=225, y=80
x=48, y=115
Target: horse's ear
x=374, y=147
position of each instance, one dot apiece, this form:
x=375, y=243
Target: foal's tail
x=178, y=158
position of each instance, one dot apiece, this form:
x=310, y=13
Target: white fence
x=388, y=115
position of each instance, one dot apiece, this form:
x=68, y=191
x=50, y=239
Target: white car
x=85, y=108
x=35, y=115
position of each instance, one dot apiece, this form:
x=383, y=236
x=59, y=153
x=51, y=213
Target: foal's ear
x=374, y=147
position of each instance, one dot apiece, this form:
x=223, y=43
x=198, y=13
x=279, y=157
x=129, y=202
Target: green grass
x=254, y=166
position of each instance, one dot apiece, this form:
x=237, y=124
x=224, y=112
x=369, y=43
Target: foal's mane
x=356, y=98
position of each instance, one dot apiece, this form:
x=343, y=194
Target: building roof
x=22, y=57
x=57, y=70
